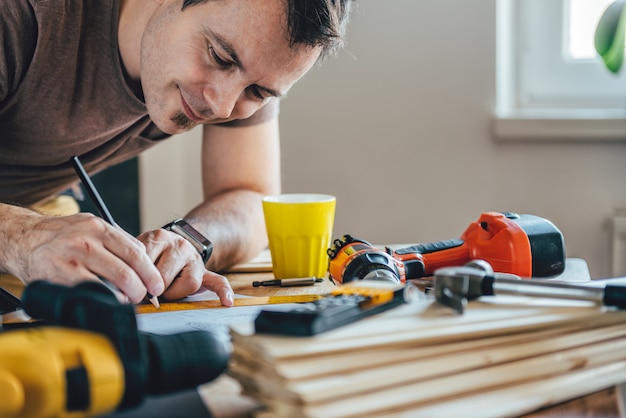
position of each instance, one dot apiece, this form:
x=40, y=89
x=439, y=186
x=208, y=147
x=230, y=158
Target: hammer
x=454, y=286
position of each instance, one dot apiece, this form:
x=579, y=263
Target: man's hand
x=182, y=268
x=71, y=249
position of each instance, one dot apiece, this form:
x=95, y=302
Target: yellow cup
x=299, y=229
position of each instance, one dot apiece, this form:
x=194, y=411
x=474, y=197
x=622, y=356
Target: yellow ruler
x=215, y=303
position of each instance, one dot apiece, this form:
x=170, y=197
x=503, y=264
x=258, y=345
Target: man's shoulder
x=49, y=32
x=18, y=40
x=19, y=22
x=18, y=11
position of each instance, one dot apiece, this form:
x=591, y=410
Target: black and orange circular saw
x=521, y=244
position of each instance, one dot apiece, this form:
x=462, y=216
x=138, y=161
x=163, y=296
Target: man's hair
x=315, y=23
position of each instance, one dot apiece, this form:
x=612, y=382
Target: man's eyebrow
x=230, y=50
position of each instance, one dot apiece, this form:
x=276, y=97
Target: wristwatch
x=191, y=234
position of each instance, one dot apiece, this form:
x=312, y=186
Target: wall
x=398, y=128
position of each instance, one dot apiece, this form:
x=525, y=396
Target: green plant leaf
x=609, y=36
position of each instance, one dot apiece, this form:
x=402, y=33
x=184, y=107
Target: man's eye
x=218, y=60
x=256, y=92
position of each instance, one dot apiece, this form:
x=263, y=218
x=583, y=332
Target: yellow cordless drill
x=87, y=357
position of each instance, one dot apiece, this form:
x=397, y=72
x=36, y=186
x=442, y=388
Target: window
x=551, y=84
x=581, y=19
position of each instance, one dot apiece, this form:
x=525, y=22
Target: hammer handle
x=609, y=295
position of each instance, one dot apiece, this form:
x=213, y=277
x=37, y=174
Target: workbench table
x=223, y=399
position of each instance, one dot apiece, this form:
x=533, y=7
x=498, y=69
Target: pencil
x=102, y=208
x=93, y=192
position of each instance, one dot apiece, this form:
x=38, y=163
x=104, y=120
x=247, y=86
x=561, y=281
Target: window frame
x=540, y=93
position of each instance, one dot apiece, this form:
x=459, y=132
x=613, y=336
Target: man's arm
x=239, y=166
x=74, y=248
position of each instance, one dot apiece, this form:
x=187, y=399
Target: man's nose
x=222, y=100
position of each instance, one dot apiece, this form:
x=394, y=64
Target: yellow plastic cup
x=299, y=228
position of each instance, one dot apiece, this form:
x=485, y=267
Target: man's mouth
x=189, y=112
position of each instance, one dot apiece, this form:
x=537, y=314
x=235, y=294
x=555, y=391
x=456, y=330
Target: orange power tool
x=524, y=245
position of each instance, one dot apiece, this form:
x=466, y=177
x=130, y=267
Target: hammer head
x=454, y=286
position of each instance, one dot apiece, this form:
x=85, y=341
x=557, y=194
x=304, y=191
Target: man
x=107, y=79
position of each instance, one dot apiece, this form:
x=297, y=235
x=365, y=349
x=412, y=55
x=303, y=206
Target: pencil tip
x=155, y=301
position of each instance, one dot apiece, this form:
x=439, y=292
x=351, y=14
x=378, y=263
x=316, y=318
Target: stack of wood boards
x=505, y=356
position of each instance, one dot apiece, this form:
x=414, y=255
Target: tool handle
x=615, y=296
x=557, y=290
x=430, y=247
x=422, y=260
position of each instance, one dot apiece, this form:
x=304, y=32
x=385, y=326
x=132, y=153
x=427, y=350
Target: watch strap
x=201, y=243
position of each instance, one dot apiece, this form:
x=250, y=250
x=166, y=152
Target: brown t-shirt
x=63, y=93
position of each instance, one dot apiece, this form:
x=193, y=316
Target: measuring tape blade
x=215, y=303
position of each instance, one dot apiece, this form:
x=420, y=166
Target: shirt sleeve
x=18, y=38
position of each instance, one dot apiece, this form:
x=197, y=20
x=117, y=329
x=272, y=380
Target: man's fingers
x=188, y=282
x=82, y=247
x=220, y=285
x=181, y=267
x=137, y=266
x=170, y=253
x=121, y=276
x=226, y=297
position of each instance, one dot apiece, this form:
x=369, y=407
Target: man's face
x=217, y=61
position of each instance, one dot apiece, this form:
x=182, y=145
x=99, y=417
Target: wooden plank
x=370, y=379
x=261, y=263
x=416, y=329
x=476, y=381
x=342, y=385
x=292, y=369
x=530, y=396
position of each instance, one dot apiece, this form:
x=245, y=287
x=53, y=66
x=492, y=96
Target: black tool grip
x=431, y=247
x=183, y=361
x=615, y=296
x=486, y=286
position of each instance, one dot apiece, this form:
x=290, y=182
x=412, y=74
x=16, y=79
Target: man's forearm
x=233, y=221
x=15, y=223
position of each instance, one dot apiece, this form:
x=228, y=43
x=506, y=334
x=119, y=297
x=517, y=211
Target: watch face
x=193, y=232
x=202, y=244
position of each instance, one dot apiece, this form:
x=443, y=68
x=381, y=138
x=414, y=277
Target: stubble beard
x=183, y=122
